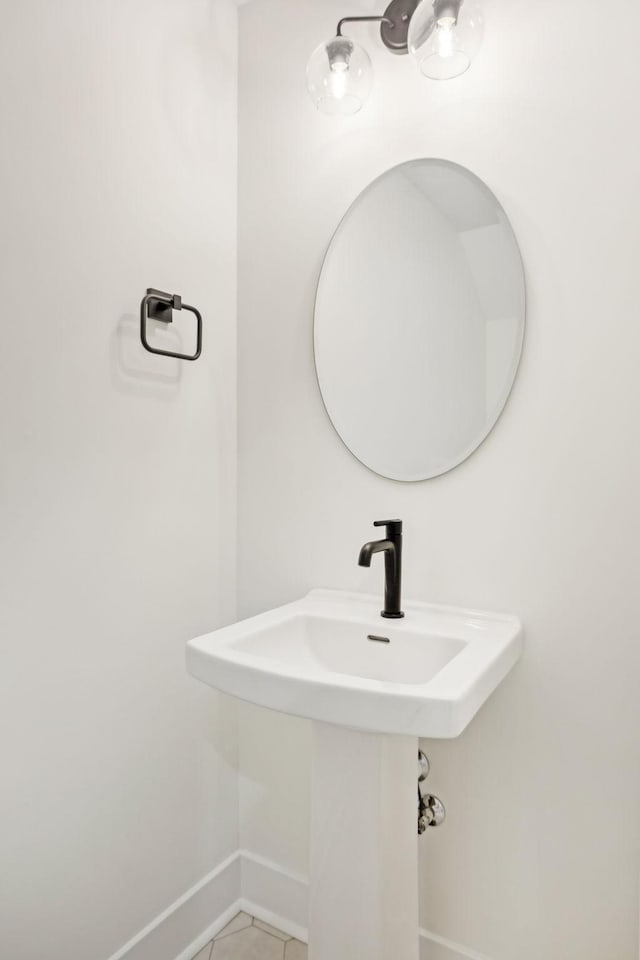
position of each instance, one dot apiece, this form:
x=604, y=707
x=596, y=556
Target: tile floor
x=246, y=938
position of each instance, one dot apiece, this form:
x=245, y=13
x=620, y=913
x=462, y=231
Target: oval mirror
x=419, y=319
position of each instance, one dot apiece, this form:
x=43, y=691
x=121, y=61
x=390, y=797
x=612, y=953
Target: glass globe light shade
x=444, y=36
x=339, y=76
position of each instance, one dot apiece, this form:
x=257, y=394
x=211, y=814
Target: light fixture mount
x=394, y=28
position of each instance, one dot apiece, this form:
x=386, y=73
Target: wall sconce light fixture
x=442, y=35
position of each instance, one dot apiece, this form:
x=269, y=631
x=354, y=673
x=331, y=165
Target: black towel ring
x=157, y=305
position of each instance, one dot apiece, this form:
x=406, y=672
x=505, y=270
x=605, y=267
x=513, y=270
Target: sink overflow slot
x=373, y=637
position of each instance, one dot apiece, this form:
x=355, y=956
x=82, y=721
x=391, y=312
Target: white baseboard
x=274, y=895
x=433, y=947
x=192, y=920
x=210, y=932
x=260, y=887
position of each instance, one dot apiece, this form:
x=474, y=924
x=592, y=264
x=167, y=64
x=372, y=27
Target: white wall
x=117, y=490
x=539, y=856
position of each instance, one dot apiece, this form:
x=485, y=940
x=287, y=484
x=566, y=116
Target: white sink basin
x=427, y=675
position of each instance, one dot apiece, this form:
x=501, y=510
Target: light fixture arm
x=381, y=19
x=394, y=24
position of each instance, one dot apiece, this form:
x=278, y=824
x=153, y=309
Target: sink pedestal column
x=363, y=902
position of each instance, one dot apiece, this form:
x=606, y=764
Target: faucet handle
x=394, y=527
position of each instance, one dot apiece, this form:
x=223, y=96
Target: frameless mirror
x=419, y=319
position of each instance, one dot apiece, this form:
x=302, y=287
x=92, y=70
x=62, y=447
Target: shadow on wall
x=136, y=372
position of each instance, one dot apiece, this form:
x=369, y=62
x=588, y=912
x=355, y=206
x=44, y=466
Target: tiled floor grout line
x=272, y=933
x=232, y=933
x=285, y=938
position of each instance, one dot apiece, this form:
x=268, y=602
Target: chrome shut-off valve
x=431, y=811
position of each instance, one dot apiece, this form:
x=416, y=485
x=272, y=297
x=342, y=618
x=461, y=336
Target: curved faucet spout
x=375, y=546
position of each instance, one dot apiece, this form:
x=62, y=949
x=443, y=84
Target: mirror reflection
x=419, y=320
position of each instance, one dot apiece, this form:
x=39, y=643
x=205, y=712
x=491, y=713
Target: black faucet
x=391, y=546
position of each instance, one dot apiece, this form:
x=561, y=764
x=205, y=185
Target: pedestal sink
x=372, y=687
